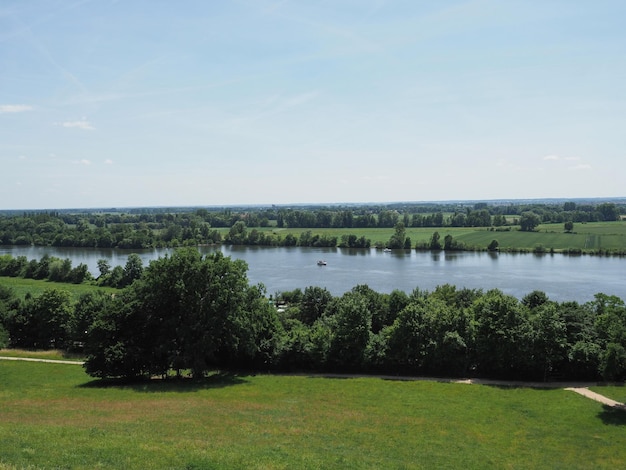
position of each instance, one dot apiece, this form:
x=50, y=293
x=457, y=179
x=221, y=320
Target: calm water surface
x=561, y=277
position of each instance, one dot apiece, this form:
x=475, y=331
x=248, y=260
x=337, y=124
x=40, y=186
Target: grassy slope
x=54, y=416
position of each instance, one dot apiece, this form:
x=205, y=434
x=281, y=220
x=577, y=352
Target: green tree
x=568, y=226
x=493, y=245
x=351, y=332
x=185, y=312
x=42, y=322
x=609, y=211
x=435, y=243
x=88, y=307
x=529, y=221
x=550, y=339
x=104, y=267
x=503, y=335
x=398, y=239
x=132, y=270
x=314, y=303
x=237, y=235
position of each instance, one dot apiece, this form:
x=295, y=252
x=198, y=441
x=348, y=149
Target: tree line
x=191, y=314
x=156, y=229
x=51, y=268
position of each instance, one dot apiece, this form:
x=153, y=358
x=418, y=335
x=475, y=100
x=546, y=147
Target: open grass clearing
x=35, y=287
x=55, y=416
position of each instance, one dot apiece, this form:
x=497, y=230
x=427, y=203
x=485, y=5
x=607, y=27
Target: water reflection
x=561, y=277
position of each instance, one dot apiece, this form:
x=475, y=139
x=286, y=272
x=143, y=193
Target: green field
x=23, y=286
x=55, y=416
x=587, y=237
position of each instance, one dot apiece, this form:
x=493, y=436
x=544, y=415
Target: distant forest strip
x=188, y=314
x=478, y=226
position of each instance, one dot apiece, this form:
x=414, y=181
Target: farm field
x=589, y=236
x=55, y=416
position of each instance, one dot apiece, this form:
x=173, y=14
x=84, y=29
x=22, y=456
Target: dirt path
x=585, y=392
x=581, y=389
x=32, y=359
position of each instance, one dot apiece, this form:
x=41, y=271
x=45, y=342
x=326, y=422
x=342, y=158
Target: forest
x=186, y=315
x=165, y=227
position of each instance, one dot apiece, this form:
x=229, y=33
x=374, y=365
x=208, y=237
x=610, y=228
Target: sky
x=202, y=103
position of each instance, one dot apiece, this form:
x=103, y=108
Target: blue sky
x=152, y=103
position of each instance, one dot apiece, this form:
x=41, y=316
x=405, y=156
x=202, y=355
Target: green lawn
x=54, y=416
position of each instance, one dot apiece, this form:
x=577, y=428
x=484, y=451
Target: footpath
x=580, y=388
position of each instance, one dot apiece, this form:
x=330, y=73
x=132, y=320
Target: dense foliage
x=160, y=227
x=186, y=313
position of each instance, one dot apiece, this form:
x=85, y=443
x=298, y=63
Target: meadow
x=587, y=237
x=21, y=286
x=55, y=416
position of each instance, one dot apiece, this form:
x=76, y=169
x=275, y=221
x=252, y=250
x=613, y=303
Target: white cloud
x=83, y=124
x=14, y=108
x=556, y=158
x=582, y=166
x=108, y=161
x=22, y=157
x=84, y=161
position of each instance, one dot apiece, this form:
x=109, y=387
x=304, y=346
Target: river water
x=280, y=269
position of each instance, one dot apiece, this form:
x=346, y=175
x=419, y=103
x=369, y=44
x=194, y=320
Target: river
x=561, y=277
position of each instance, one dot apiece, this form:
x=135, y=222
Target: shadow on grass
x=613, y=415
x=181, y=385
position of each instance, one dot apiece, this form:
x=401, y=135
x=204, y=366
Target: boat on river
x=321, y=263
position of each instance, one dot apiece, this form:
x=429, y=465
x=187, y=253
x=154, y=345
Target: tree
x=435, y=243
x=351, y=333
x=132, y=270
x=550, y=339
x=9, y=306
x=398, y=238
x=503, y=335
x=185, y=312
x=529, y=221
x=104, y=267
x=568, y=226
x=88, y=307
x=237, y=234
x=609, y=211
x=314, y=302
x=493, y=245
x=79, y=274
x=42, y=322
x=406, y=339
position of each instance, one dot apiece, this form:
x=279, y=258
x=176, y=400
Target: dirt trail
x=585, y=392
x=32, y=359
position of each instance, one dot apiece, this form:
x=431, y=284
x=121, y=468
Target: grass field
x=23, y=286
x=616, y=392
x=587, y=237
x=55, y=416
